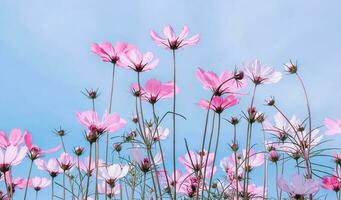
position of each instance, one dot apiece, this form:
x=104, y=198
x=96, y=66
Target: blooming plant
x=137, y=167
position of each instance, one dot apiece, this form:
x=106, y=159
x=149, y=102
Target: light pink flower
x=14, y=138
x=66, y=161
x=154, y=90
x=222, y=84
x=38, y=183
x=84, y=166
x=331, y=183
x=3, y=196
x=298, y=185
x=137, y=61
x=261, y=74
x=156, y=135
x=219, y=103
x=110, y=122
x=255, y=159
x=228, y=165
x=11, y=156
x=189, y=185
x=143, y=161
x=281, y=128
x=172, y=41
x=191, y=162
x=51, y=166
x=33, y=150
x=333, y=127
x=18, y=182
x=112, y=173
x=105, y=188
x=108, y=53
x=179, y=178
x=254, y=192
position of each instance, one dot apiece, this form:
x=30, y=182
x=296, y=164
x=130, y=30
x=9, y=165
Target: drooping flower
x=66, y=161
x=144, y=163
x=84, y=166
x=331, y=183
x=14, y=138
x=226, y=83
x=137, y=61
x=110, y=122
x=261, y=74
x=38, y=183
x=154, y=90
x=108, y=53
x=112, y=173
x=298, y=186
x=106, y=189
x=333, y=126
x=11, y=156
x=34, y=151
x=51, y=166
x=219, y=103
x=172, y=41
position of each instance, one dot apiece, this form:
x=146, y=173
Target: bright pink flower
x=112, y=173
x=154, y=90
x=222, y=84
x=3, y=196
x=219, y=103
x=66, y=161
x=331, y=183
x=11, y=156
x=255, y=159
x=84, y=166
x=51, y=166
x=38, y=183
x=33, y=150
x=333, y=127
x=137, y=61
x=109, y=191
x=110, y=122
x=14, y=139
x=261, y=74
x=298, y=185
x=171, y=41
x=108, y=53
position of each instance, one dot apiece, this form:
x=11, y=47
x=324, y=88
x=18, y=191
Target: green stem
x=174, y=131
x=64, y=186
x=28, y=179
x=52, y=188
x=144, y=186
x=88, y=175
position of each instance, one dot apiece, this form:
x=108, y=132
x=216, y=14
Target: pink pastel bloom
x=14, y=138
x=110, y=122
x=109, y=191
x=84, y=166
x=261, y=74
x=219, y=103
x=255, y=159
x=3, y=196
x=112, y=173
x=191, y=162
x=18, y=182
x=298, y=185
x=33, y=150
x=66, y=161
x=333, y=127
x=254, y=192
x=143, y=161
x=222, y=84
x=281, y=128
x=11, y=156
x=189, y=185
x=303, y=137
x=51, y=166
x=38, y=183
x=154, y=90
x=108, y=53
x=156, y=135
x=179, y=178
x=331, y=183
x=137, y=61
x=172, y=41
x=228, y=165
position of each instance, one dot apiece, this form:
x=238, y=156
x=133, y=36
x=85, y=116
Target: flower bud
x=290, y=67
x=270, y=101
x=78, y=150
x=238, y=75
x=118, y=147
x=274, y=156
x=234, y=120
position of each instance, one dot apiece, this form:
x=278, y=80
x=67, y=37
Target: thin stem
x=28, y=179
x=151, y=172
x=80, y=177
x=63, y=144
x=133, y=185
x=52, y=188
x=236, y=160
x=88, y=175
x=8, y=187
x=64, y=186
x=36, y=195
x=265, y=181
x=174, y=131
x=277, y=192
x=144, y=186
x=96, y=167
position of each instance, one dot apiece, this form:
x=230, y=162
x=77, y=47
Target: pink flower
x=137, y=61
x=106, y=189
x=331, y=183
x=38, y=183
x=14, y=139
x=112, y=173
x=228, y=164
x=254, y=192
x=3, y=196
x=281, y=128
x=261, y=74
x=143, y=161
x=219, y=103
x=110, y=122
x=179, y=178
x=154, y=90
x=189, y=185
x=11, y=156
x=222, y=84
x=18, y=182
x=171, y=41
x=298, y=185
x=191, y=162
x=84, y=166
x=255, y=159
x=108, y=53
x=66, y=161
x=51, y=166
x=33, y=150
x=333, y=127
x=156, y=135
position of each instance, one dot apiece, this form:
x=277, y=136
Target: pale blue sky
x=45, y=58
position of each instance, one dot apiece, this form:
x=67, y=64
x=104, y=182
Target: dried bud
x=300, y=128
x=118, y=147
x=91, y=93
x=130, y=136
x=78, y=150
x=290, y=67
x=234, y=120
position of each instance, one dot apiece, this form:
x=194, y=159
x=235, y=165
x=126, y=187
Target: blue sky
x=45, y=58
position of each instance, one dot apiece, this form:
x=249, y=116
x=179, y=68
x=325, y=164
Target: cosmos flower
x=33, y=150
x=51, y=166
x=66, y=161
x=84, y=166
x=108, y=53
x=137, y=61
x=112, y=173
x=298, y=186
x=333, y=126
x=38, y=183
x=172, y=41
x=194, y=162
x=107, y=190
x=18, y=182
x=219, y=103
x=225, y=83
x=331, y=183
x=144, y=163
x=156, y=135
x=154, y=90
x=255, y=159
x=281, y=127
x=11, y=156
x=261, y=74
x=14, y=138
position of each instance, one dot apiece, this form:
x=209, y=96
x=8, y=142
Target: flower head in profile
x=11, y=156
x=298, y=186
x=112, y=173
x=154, y=90
x=281, y=128
x=106, y=189
x=219, y=103
x=194, y=162
x=38, y=183
x=255, y=159
x=253, y=192
x=88, y=167
x=143, y=162
x=66, y=161
x=158, y=134
x=228, y=165
x=15, y=138
x=137, y=61
x=333, y=126
x=172, y=41
x=110, y=122
x=226, y=83
x=331, y=183
x=51, y=166
x=108, y=53
x=261, y=74
x=18, y=182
